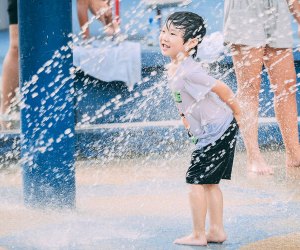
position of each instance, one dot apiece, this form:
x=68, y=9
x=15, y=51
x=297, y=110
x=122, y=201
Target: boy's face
x=171, y=41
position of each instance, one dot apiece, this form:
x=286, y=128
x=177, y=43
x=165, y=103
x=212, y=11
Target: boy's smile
x=164, y=46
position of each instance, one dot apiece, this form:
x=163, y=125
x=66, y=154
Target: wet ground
x=142, y=204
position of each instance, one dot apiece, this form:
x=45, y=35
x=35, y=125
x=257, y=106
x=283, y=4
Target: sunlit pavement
x=142, y=204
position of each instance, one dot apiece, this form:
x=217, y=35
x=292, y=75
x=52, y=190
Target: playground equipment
x=47, y=109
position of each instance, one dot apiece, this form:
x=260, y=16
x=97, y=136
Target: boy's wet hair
x=193, y=26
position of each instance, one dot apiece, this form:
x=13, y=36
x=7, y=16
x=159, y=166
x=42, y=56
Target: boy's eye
x=173, y=34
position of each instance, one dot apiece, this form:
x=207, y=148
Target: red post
x=117, y=9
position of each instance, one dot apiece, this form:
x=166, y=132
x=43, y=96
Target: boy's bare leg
x=214, y=196
x=198, y=207
x=248, y=66
x=281, y=69
x=10, y=76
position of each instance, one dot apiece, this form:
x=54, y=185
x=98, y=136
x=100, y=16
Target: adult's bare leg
x=248, y=63
x=281, y=70
x=10, y=75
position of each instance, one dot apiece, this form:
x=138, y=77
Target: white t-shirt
x=208, y=117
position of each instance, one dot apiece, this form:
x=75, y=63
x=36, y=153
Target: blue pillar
x=47, y=108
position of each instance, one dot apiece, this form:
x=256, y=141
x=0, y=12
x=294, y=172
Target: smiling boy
x=210, y=113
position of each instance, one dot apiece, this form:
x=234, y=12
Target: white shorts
x=258, y=23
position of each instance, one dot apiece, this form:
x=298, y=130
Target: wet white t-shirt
x=208, y=117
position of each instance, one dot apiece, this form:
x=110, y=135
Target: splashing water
x=150, y=98
x=122, y=126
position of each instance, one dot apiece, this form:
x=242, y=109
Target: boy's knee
x=211, y=186
x=197, y=188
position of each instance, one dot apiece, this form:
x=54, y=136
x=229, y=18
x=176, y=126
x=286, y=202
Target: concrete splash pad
x=290, y=241
x=142, y=204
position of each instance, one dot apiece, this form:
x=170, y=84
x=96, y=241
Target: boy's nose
x=164, y=37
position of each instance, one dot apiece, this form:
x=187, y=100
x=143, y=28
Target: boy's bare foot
x=258, y=166
x=216, y=237
x=192, y=240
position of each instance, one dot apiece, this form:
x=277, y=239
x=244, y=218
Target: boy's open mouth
x=165, y=46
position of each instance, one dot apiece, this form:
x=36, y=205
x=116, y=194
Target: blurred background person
x=259, y=33
x=10, y=74
x=103, y=12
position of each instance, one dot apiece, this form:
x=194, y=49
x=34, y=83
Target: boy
x=207, y=108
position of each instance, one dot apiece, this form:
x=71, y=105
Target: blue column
x=47, y=108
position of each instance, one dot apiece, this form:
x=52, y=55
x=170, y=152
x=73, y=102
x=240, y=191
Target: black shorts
x=214, y=162
x=13, y=11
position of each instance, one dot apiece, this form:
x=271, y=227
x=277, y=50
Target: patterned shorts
x=214, y=162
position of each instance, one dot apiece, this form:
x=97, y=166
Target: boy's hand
x=238, y=118
x=185, y=122
x=227, y=96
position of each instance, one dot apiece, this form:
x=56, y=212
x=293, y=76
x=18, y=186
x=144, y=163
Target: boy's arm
x=227, y=96
x=82, y=12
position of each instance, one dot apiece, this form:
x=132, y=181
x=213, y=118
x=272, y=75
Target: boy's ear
x=192, y=43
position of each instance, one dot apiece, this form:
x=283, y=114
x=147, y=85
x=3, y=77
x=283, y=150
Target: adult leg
x=214, y=196
x=281, y=69
x=248, y=66
x=10, y=75
x=198, y=207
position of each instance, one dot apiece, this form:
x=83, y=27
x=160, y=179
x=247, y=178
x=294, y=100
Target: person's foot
x=293, y=160
x=191, y=240
x=216, y=236
x=293, y=173
x=293, y=163
x=258, y=165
